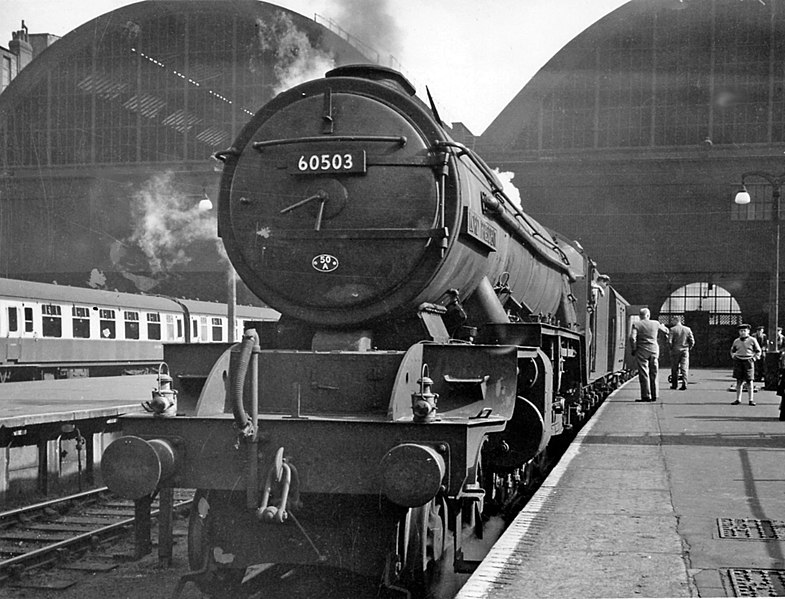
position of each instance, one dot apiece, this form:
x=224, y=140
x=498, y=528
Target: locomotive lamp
x=164, y=398
x=743, y=198
x=424, y=401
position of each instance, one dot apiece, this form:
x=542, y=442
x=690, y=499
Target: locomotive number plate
x=330, y=162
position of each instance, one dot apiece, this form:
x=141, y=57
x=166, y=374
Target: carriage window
x=179, y=328
x=194, y=330
x=107, y=323
x=13, y=320
x=81, y=322
x=131, y=325
x=28, y=320
x=218, y=330
x=203, y=329
x=153, y=326
x=51, y=321
x=170, y=335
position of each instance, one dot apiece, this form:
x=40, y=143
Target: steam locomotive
x=434, y=340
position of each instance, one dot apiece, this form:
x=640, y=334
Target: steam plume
x=508, y=187
x=295, y=59
x=166, y=221
x=372, y=23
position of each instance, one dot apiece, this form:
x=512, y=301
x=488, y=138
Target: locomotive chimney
x=374, y=72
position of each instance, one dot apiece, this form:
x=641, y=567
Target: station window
x=13, y=320
x=107, y=324
x=51, y=321
x=154, y=326
x=81, y=322
x=29, y=320
x=720, y=307
x=218, y=330
x=131, y=325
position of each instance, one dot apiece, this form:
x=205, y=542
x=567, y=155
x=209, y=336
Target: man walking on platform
x=646, y=350
x=681, y=341
x=744, y=351
x=760, y=364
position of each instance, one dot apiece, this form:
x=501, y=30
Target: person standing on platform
x=760, y=364
x=680, y=341
x=780, y=340
x=646, y=349
x=744, y=351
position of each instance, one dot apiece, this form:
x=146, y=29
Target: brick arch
x=712, y=312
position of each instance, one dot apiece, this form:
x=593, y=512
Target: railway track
x=58, y=531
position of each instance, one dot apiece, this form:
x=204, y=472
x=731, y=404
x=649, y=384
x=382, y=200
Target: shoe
x=673, y=387
x=735, y=403
x=752, y=403
x=683, y=388
x=643, y=399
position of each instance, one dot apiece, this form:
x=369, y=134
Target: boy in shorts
x=744, y=351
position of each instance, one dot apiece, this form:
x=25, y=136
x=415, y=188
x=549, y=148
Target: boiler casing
x=344, y=202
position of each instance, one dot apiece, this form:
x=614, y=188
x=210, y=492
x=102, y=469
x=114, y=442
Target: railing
x=389, y=60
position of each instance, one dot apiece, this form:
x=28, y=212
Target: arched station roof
x=106, y=139
x=657, y=74
x=159, y=81
x=634, y=137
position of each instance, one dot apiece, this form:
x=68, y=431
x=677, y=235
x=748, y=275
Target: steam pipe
x=239, y=360
x=489, y=303
x=252, y=489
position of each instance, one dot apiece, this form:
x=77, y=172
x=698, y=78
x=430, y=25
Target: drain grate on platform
x=750, y=529
x=757, y=583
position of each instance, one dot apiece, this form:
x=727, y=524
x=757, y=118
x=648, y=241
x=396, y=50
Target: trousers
x=680, y=366
x=648, y=369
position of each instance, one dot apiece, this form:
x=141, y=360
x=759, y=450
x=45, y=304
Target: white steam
x=373, y=24
x=295, y=60
x=512, y=192
x=167, y=221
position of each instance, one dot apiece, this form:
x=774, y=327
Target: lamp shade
x=742, y=197
x=205, y=204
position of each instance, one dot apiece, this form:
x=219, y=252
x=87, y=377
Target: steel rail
x=52, y=502
x=87, y=536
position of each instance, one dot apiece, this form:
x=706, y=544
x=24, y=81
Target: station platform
x=683, y=497
x=37, y=402
x=53, y=432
